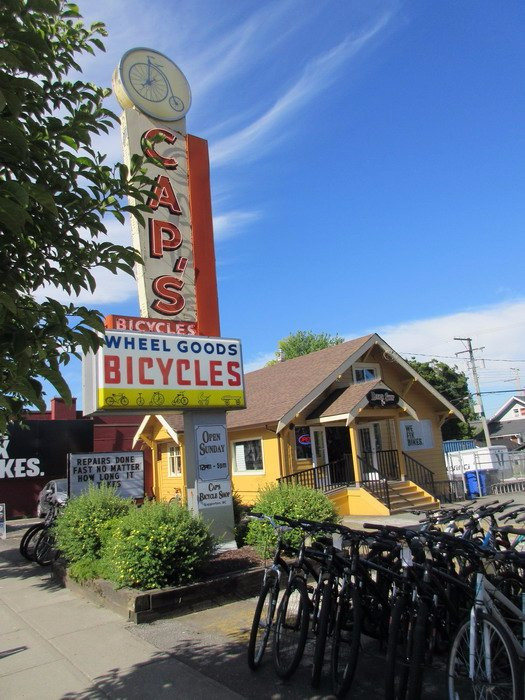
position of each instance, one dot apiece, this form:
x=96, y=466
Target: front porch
x=380, y=483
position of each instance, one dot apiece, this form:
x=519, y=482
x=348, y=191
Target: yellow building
x=354, y=420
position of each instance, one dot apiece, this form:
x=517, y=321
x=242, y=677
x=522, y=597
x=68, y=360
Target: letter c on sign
x=150, y=152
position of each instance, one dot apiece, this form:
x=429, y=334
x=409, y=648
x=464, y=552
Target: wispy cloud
x=316, y=77
x=231, y=223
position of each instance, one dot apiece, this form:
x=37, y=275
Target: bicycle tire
x=262, y=622
x=45, y=551
x=346, y=640
x=152, y=93
x=322, y=629
x=29, y=541
x=419, y=649
x=460, y=686
x=399, y=650
x=291, y=628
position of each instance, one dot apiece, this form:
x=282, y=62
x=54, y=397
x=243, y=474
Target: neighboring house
x=507, y=425
x=354, y=420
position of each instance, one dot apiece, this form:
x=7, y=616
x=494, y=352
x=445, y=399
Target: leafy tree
x=453, y=385
x=55, y=190
x=303, y=343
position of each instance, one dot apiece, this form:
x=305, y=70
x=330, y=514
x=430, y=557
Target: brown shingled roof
x=273, y=391
x=343, y=400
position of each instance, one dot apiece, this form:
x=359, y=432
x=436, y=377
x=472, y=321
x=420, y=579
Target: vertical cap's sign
x=147, y=373
x=176, y=238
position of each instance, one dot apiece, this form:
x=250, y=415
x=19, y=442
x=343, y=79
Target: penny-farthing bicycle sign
x=153, y=83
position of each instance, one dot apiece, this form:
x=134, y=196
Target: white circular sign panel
x=153, y=83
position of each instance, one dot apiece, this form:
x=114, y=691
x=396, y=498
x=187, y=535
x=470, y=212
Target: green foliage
x=453, y=385
x=292, y=501
x=239, y=518
x=303, y=343
x=55, y=189
x=86, y=523
x=157, y=545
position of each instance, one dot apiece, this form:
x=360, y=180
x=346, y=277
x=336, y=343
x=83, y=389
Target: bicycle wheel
x=399, y=650
x=346, y=640
x=148, y=81
x=262, y=622
x=495, y=666
x=421, y=644
x=45, y=551
x=326, y=604
x=291, y=628
x=29, y=540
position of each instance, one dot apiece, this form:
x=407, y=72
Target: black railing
x=374, y=482
x=449, y=491
x=326, y=477
x=419, y=474
x=386, y=461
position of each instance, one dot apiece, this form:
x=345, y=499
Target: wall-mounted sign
x=211, y=494
x=122, y=470
x=382, y=397
x=212, y=452
x=3, y=533
x=153, y=83
x=149, y=325
x=148, y=373
x=416, y=435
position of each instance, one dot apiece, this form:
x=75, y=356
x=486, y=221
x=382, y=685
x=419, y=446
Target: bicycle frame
x=486, y=592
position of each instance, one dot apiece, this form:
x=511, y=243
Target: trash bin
x=472, y=486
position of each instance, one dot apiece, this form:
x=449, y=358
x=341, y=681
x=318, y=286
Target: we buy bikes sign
x=148, y=373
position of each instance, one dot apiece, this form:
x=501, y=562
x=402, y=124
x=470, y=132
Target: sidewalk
x=56, y=645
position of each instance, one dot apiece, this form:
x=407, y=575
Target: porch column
x=353, y=446
x=399, y=447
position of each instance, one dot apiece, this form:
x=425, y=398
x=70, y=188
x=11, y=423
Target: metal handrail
x=419, y=474
x=376, y=483
x=387, y=463
x=325, y=477
x=449, y=490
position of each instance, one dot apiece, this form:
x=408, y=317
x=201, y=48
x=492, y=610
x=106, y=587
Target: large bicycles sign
x=176, y=236
x=148, y=373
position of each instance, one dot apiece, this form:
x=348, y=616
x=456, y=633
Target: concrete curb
x=146, y=606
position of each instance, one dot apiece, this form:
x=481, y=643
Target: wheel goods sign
x=148, y=373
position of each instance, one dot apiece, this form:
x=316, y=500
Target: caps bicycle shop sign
x=146, y=373
x=382, y=397
x=177, y=237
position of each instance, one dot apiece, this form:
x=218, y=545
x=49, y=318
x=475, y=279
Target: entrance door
x=319, y=451
x=370, y=444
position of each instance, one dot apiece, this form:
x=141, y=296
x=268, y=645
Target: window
x=303, y=443
x=174, y=460
x=247, y=456
x=365, y=372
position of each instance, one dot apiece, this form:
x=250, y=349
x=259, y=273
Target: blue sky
x=367, y=168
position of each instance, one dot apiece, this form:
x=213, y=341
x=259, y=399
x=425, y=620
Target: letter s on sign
x=167, y=288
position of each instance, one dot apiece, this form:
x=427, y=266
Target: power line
x=453, y=357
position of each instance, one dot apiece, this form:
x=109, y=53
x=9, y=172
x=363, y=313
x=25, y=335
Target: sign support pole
x=208, y=478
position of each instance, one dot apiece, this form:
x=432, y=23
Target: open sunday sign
x=145, y=371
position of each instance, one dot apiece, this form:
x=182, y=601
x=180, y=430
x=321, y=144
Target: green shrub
x=157, y=545
x=292, y=501
x=85, y=523
x=239, y=518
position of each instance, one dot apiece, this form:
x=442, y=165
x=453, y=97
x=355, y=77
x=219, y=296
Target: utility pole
x=477, y=393
x=516, y=371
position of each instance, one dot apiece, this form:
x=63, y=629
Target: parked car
x=56, y=487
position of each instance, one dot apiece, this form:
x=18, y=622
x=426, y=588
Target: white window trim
x=172, y=473
x=248, y=472
x=366, y=365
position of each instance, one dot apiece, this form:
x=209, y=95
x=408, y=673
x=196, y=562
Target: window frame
x=363, y=366
x=303, y=459
x=174, y=456
x=247, y=472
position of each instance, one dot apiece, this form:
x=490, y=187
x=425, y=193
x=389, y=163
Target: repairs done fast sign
x=144, y=372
